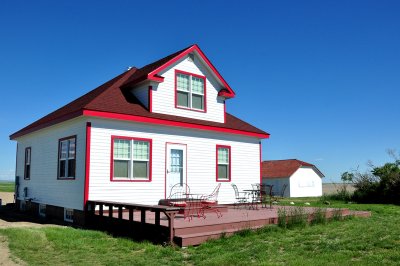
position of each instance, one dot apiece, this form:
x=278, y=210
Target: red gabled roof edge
x=154, y=68
x=284, y=168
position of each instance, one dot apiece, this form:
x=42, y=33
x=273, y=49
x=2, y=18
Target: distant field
x=6, y=186
x=330, y=188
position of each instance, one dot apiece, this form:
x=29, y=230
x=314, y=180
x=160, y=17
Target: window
x=67, y=158
x=190, y=91
x=42, y=210
x=27, y=173
x=131, y=159
x=69, y=215
x=223, y=163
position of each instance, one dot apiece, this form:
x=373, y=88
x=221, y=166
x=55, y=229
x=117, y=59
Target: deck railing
x=98, y=215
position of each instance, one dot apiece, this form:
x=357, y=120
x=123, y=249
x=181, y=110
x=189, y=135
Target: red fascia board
x=47, y=124
x=157, y=121
x=152, y=74
x=224, y=93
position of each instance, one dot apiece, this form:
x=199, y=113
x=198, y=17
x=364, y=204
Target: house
x=300, y=178
x=134, y=137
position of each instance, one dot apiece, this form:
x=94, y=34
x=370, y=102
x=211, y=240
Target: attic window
x=190, y=91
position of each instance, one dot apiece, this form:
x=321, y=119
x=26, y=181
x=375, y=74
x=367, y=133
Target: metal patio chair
x=280, y=194
x=178, y=197
x=240, y=197
x=210, y=202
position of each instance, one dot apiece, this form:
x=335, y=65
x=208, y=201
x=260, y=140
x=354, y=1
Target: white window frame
x=190, y=92
x=42, y=210
x=28, y=159
x=131, y=160
x=67, y=217
x=67, y=159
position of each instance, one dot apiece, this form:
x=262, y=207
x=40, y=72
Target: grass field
x=359, y=241
x=6, y=186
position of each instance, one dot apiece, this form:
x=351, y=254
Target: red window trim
x=176, y=91
x=216, y=163
x=112, y=159
x=58, y=158
x=30, y=163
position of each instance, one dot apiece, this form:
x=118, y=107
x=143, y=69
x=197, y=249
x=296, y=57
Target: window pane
x=27, y=171
x=121, y=168
x=197, y=102
x=62, y=169
x=140, y=169
x=71, y=150
x=63, y=149
x=28, y=156
x=197, y=85
x=122, y=149
x=223, y=171
x=182, y=82
x=183, y=99
x=71, y=168
x=223, y=156
x=141, y=150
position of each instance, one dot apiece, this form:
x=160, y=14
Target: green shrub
x=282, y=218
x=297, y=217
x=319, y=216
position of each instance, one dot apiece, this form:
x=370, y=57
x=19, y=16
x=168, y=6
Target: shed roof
x=284, y=168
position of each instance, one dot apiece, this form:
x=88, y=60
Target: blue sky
x=323, y=77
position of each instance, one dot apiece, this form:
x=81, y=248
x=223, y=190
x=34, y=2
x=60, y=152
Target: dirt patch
x=5, y=258
x=7, y=197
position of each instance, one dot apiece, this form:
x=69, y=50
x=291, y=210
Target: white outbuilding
x=293, y=177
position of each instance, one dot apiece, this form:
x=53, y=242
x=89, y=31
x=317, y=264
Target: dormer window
x=190, y=91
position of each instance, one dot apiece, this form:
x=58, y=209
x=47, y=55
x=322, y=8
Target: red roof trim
x=224, y=93
x=196, y=48
x=157, y=121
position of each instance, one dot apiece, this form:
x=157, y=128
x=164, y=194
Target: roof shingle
x=283, y=168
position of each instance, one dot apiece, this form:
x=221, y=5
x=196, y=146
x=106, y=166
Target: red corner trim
x=112, y=159
x=216, y=163
x=157, y=121
x=260, y=163
x=87, y=163
x=153, y=75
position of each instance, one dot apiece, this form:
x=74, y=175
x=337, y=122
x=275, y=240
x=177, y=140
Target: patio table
x=255, y=198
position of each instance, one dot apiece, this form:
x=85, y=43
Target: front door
x=176, y=166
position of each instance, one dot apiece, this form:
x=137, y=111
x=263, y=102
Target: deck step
x=198, y=238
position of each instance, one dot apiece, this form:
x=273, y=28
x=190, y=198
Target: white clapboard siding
x=305, y=182
x=43, y=186
x=201, y=161
x=163, y=96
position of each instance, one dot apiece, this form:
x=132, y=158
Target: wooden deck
x=183, y=230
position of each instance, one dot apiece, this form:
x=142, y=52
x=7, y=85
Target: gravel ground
x=7, y=197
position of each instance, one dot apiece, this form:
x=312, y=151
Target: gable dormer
x=184, y=84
